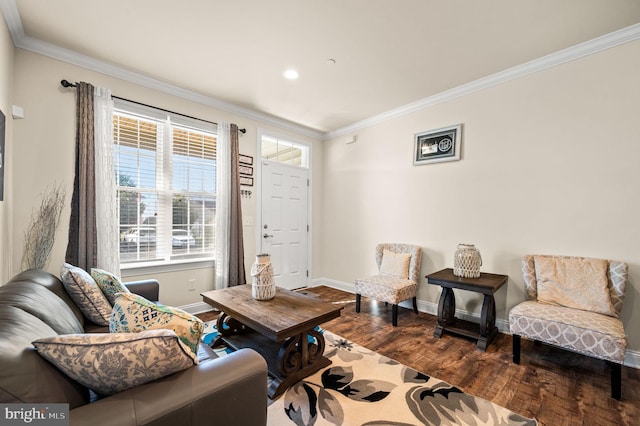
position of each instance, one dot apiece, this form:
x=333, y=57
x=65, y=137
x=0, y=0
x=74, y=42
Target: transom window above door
x=283, y=151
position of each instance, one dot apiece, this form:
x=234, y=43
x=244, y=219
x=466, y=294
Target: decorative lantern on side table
x=263, y=286
x=467, y=261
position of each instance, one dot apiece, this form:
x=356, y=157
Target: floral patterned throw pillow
x=109, y=284
x=133, y=313
x=84, y=290
x=110, y=363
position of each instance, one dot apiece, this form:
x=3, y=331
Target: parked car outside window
x=182, y=238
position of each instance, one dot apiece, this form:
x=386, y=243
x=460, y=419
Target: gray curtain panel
x=236, y=256
x=82, y=247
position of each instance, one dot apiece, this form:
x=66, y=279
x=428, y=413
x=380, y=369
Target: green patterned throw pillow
x=84, y=290
x=134, y=313
x=110, y=363
x=109, y=284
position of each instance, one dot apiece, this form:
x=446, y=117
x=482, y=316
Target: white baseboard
x=631, y=359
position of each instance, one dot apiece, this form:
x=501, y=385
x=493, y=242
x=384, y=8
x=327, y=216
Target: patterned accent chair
x=587, y=323
x=397, y=280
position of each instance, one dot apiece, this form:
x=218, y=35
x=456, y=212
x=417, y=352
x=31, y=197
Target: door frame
x=258, y=189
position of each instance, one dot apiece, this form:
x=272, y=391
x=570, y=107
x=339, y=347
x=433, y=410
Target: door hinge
x=307, y=228
x=307, y=274
x=307, y=182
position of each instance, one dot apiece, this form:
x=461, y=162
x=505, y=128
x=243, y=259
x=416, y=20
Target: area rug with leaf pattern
x=361, y=387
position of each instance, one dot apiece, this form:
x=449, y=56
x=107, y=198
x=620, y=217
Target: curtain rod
x=66, y=83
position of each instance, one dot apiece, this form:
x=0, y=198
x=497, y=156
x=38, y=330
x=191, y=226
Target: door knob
x=267, y=235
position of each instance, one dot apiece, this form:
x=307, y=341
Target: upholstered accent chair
x=397, y=279
x=574, y=303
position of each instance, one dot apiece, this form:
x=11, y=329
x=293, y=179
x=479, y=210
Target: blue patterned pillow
x=133, y=313
x=109, y=284
x=85, y=292
x=110, y=363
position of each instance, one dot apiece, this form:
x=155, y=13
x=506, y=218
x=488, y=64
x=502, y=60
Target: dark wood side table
x=486, y=284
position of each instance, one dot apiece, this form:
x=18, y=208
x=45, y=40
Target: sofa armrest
x=149, y=289
x=225, y=391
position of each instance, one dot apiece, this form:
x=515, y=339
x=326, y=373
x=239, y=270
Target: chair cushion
x=579, y=283
x=395, y=264
x=589, y=333
x=110, y=363
x=386, y=288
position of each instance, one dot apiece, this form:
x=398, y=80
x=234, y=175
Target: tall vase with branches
x=40, y=235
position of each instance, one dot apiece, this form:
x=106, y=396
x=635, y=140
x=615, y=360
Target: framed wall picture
x=245, y=170
x=245, y=159
x=246, y=181
x=439, y=145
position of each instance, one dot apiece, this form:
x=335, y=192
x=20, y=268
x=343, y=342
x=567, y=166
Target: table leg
x=488, y=328
x=446, y=310
x=297, y=359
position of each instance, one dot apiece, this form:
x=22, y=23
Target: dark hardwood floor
x=554, y=386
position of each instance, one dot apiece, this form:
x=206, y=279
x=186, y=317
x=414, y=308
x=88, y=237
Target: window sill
x=136, y=269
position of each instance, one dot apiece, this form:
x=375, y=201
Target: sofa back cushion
x=26, y=377
x=41, y=303
x=51, y=283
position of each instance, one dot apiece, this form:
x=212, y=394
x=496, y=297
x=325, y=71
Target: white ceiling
x=387, y=53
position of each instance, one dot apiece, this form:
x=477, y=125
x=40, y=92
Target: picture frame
x=245, y=159
x=438, y=145
x=246, y=181
x=245, y=170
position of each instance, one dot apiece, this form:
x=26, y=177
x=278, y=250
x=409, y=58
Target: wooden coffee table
x=282, y=330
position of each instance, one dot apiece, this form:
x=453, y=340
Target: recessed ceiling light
x=291, y=74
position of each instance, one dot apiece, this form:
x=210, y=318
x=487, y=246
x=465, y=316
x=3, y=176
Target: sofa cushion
x=395, y=264
x=109, y=283
x=41, y=303
x=110, y=363
x=85, y=292
x=133, y=313
x=51, y=283
x=26, y=377
x=578, y=283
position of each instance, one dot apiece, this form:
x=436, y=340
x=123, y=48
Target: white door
x=284, y=229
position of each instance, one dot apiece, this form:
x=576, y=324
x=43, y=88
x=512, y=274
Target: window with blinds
x=166, y=183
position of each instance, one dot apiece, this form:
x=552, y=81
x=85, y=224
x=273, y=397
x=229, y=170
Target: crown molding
x=21, y=40
x=578, y=51
x=11, y=15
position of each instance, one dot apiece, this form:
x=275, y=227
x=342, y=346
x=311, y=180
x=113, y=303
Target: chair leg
x=516, y=349
x=394, y=315
x=415, y=305
x=616, y=380
x=358, y=297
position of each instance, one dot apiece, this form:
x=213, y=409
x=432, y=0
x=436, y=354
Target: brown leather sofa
x=34, y=304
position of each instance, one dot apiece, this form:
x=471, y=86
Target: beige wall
x=6, y=101
x=549, y=165
x=44, y=152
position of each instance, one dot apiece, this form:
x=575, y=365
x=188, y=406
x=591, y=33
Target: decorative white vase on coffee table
x=263, y=286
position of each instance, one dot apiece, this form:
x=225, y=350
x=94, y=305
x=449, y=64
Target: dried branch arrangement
x=40, y=235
